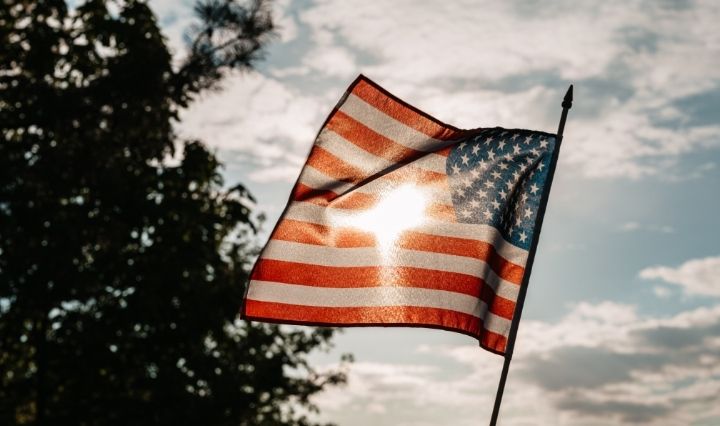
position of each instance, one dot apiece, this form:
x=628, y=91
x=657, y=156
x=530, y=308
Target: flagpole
x=566, y=105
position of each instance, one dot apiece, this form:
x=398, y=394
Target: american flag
x=398, y=219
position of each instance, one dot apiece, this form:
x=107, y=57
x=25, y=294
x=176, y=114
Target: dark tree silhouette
x=121, y=273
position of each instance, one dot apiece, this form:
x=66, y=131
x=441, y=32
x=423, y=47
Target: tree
x=121, y=273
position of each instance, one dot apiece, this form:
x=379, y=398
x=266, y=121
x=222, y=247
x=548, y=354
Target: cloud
x=699, y=277
x=633, y=65
x=635, y=227
x=599, y=364
x=260, y=119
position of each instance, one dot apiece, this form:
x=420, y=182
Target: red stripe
x=360, y=201
x=354, y=200
x=372, y=316
x=367, y=139
x=373, y=276
x=310, y=233
x=333, y=166
x=403, y=113
x=445, y=152
x=307, y=233
x=464, y=247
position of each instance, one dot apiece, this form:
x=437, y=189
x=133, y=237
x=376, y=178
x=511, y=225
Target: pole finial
x=568, y=99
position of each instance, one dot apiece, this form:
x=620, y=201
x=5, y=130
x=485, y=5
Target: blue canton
x=497, y=178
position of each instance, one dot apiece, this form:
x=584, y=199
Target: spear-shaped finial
x=567, y=100
x=566, y=104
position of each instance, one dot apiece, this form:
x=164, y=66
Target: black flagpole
x=566, y=105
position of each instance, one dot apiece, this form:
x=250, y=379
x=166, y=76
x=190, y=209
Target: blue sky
x=622, y=320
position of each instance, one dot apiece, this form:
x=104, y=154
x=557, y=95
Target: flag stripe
x=376, y=119
x=335, y=168
x=354, y=200
x=373, y=157
x=394, y=110
x=265, y=291
x=370, y=140
x=370, y=162
x=309, y=233
x=387, y=276
x=433, y=185
x=369, y=316
x=307, y=212
x=291, y=251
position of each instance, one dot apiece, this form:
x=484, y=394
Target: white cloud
x=647, y=227
x=600, y=364
x=331, y=61
x=697, y=277
x=646, y=55
x=261, y=118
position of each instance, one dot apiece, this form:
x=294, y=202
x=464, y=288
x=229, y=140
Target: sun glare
x=398, y=210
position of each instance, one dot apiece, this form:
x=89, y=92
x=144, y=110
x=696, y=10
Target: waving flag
x=398, y=219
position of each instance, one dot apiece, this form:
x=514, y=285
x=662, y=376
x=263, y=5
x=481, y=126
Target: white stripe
x=290, y=251
x=265, y=291
x=432, y=162
x=387, y=126
x=352, y=154
x=308, y=212
x=368, y=162
x=314, y=178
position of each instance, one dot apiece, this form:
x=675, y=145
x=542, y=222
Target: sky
x=622, y=319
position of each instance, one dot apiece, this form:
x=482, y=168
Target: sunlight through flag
x=398, y=219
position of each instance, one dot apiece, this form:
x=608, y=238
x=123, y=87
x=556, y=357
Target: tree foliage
x=121, y=273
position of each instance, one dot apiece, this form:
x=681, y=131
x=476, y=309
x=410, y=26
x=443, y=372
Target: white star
x=495, y=204
x=543, y=143
x=482, y=164
x=475, y=149
x=462, y=145
x=503, y=194
x=501, y=145
x=541, y=166
x=507, y=156
x=489, y=184
x=467, y=182
x=534, y=189
x=510, y=184
x=528, y=139
x=491, y=155
x=482, y=193
x=475, y=173
x=487, y=214
x=474, y=204
x=455, y=168
x=516, y=149
x=495, y=174
x=460, y=192
x=527, y=212
x=503, y=166
x=515, y=136
x=465, y=159
x=504, y=133
x=524, y=197
x=518, y=221
x=466, y=213
x=516, y=175
x=535, y=152
x=488, y=140
x=523, y=237
x=529, y=160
